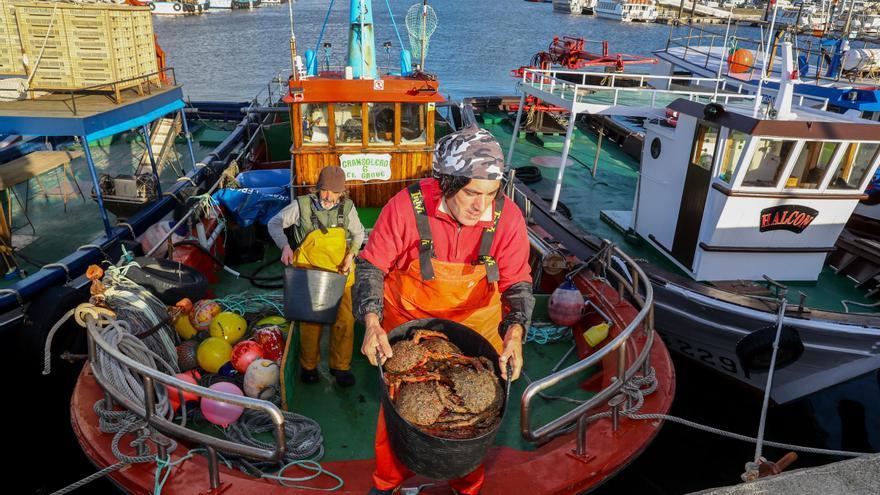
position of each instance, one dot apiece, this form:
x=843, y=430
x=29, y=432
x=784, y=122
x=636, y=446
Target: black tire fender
x=177, y=7
x=756, y=349
x=561, y=208
x=169, y=281
x=528, y=174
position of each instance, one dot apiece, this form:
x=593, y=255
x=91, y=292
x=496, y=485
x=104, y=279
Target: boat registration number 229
x=723, y=363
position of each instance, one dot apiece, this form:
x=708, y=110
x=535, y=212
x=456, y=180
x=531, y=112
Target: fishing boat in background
x=728, y=232
x=380, y=125
x=627, y=10
x=184, y=7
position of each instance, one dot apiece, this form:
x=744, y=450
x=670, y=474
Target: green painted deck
x=348, y=415
x=614, y=189
x=58, y=232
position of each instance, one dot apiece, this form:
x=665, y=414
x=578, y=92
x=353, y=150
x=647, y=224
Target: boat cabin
x=729, y=196
x=375, y=129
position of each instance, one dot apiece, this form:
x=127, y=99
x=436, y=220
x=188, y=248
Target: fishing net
x=421, y=21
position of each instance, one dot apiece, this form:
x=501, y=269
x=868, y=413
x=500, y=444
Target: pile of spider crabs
x=438, y=389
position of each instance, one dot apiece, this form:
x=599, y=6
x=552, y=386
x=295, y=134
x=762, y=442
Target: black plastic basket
x=312, y=295
x=425, y=454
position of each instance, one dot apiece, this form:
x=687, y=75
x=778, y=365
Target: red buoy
x=566, y=304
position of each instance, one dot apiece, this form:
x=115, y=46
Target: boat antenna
x=721, y=55
x=764, y=60
x=293, y=70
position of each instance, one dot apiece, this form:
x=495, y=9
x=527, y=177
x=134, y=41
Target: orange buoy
x=740, y=61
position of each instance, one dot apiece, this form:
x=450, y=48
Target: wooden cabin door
x=693, y=197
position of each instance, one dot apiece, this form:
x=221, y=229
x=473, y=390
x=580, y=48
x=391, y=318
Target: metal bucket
x=312, y=295
x=428, y=455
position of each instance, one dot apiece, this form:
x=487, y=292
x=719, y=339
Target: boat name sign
x=793, y=218
x=366, y=166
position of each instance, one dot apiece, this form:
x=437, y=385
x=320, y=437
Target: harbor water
x=231, y=55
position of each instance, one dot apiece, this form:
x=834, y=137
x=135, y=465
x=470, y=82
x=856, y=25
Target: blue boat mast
x=361, y=41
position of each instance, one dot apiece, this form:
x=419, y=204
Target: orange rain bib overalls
x=463, y=292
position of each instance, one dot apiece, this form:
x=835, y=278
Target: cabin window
x=315, y=124
x=381, y=124
x=768, y=163
x=412, y=124
x=705, y=143
x=811, y=165
x=733, y=148
x=349, y=127
x=856, y=162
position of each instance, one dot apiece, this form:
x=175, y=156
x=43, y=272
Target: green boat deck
x=348, y=415
x=58, y=231
x=614, y=189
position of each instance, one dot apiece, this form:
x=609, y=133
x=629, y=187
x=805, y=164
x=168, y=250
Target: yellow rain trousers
x=327, y=252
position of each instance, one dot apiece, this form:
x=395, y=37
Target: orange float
x=740, y=61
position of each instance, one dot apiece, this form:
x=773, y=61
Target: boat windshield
x=733, y=148
x=315, y=122
x=412, y=123
x=768, y=162
x=856, y=162
x=811, y=165
x=381, y=125
x=349, y=127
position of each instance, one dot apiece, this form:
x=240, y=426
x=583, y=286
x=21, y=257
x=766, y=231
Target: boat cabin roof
x=93, y=115
x=333, y=87
x=810, y=124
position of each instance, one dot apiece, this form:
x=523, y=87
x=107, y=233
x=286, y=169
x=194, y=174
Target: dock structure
x=696, y=12
x=857, y=476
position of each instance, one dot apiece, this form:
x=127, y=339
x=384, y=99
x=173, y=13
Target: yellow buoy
x=228, y=326
x=213, y=353
x=184, y=328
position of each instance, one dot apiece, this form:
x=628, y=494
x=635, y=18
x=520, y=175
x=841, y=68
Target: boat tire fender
x=177, y=7
x=756, y=349
x=528, y=174
x=561, y=208
x=169, y=281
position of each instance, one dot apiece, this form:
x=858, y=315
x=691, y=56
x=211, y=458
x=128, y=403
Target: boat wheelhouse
x=627, y=10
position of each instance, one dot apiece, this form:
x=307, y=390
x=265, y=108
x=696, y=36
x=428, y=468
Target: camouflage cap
x=469, y=152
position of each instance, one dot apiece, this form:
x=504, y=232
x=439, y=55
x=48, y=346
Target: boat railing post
x=149, y=144
x=565, y=149
x=98, y=196
x=149, y=398
x=516, y=126
x=621, y=363
x=213, y=467
x=581, y=449
x=188, y=136
x=615, y=403
x=709, y=53
x=595, y=168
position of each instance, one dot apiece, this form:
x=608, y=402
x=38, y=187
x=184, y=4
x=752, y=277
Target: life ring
x=169, y=281
x=176, y=7
x=528, y=174
x=756, y=349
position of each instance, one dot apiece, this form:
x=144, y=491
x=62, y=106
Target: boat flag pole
x=764, y=60
x=293, y=70
x=424, y=34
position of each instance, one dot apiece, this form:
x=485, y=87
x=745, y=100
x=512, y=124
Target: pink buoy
x=566, y=306
x=222, y=413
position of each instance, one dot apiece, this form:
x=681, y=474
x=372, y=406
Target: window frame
x=869, y=175
x=749, y=152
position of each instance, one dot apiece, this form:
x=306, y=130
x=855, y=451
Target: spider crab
x=440, y=390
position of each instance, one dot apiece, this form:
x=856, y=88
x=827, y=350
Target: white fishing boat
x=221, y=4
x=627, y=10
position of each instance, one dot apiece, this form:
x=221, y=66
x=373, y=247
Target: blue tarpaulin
x=247, y=205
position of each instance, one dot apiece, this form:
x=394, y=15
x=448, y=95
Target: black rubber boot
x=308, y=376
x=343, y=378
